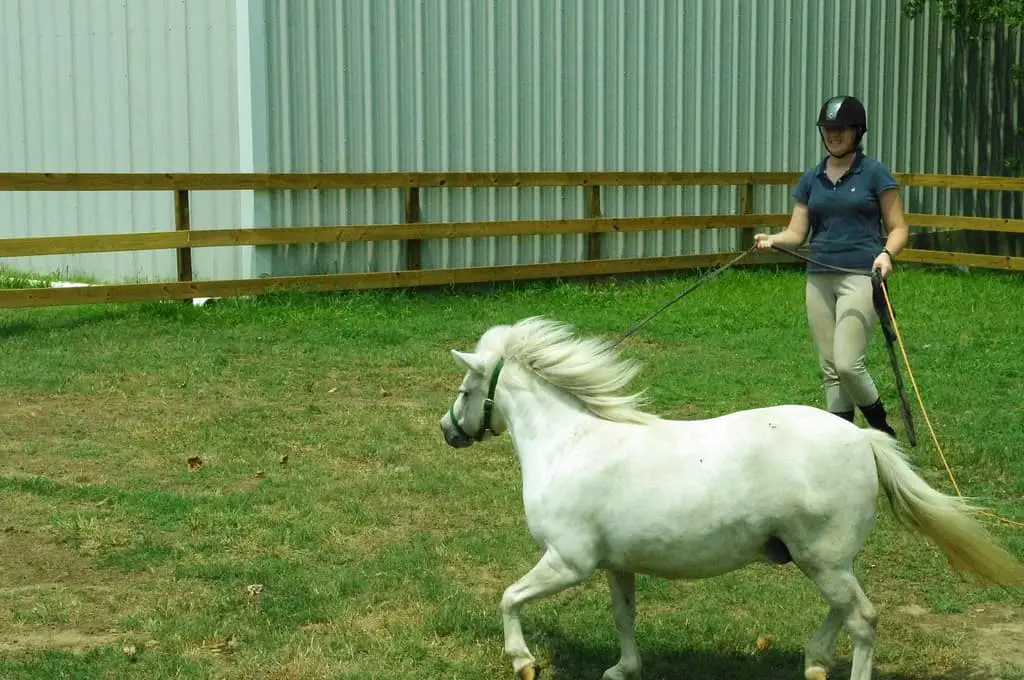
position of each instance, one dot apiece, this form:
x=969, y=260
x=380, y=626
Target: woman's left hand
x=882, y=264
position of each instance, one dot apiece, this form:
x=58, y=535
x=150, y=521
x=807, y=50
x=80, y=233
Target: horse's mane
x=589, y=369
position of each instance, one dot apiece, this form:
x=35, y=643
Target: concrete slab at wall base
x=198, y=302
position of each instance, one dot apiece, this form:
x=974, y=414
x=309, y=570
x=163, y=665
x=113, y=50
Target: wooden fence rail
x=52, y=181
x=205, y=238
x=183, y=238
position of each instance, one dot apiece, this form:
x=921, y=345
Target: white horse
x=608, y=486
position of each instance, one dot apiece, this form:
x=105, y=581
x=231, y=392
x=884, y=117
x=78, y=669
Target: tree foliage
x=971, y=19
x=972, y=16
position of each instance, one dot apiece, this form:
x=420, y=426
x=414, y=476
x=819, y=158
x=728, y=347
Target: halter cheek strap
x=485, y=426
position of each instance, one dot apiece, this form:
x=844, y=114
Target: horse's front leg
x=623, y=592
x=550, y=575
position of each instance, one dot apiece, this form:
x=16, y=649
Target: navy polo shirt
x=846, y=228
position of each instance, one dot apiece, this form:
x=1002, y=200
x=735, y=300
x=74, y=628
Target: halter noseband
x=485, y=426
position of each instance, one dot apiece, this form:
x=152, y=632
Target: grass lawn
x=324, y=530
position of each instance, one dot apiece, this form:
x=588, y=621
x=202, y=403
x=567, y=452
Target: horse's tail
x=946, y=520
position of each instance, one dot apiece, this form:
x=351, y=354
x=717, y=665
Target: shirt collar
x=855, y=168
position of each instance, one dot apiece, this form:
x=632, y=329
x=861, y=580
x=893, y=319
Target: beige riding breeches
x=842, y=318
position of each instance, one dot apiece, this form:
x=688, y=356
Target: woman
x=843, y=202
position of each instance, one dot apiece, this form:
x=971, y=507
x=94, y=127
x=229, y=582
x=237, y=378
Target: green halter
x=488, y=407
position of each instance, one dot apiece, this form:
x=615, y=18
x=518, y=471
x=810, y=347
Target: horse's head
x=472, y=416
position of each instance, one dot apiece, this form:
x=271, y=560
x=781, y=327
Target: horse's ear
x=468, y=361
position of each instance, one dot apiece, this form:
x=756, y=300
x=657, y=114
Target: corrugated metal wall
x=985, y=133
x=393, y=85
x=464, y=85
x=115, y=86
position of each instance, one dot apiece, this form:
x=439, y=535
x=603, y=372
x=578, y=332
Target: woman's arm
x=896, y=229
x=793, y=235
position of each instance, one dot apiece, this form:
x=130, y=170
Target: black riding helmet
x=843, y=111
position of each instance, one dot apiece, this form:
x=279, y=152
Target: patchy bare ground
x=54, y=597
x=19, y=640
x=995, y=631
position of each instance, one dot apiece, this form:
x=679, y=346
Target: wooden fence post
x=746, y=208
x=593, y=210
x=183, y=222
x=414, y=247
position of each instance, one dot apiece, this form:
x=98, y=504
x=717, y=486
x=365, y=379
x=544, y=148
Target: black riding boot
x=845, y=415
x=875, y=415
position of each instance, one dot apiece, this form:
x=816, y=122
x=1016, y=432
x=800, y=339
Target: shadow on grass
x=48, y=323
x=573, y=658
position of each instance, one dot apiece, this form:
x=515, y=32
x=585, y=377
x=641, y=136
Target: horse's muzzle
x=456, y=441
x=452, y=437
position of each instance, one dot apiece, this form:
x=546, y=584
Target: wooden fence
x=183, y=239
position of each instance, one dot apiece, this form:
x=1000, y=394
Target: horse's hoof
x=816, y=673
x=529, y=672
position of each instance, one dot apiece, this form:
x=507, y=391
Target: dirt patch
x=37, y=426
x=995, y=632
x=483, y=580
x=30, y=558
x=52, y=597
x=389, y=619
x=30, y=639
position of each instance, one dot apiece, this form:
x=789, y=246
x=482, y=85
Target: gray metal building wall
x=701, y=85
x=464, y=85
x=111, y=86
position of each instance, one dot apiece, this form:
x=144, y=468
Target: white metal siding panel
x=701, y=85
x=464, y=85
x=113, y=86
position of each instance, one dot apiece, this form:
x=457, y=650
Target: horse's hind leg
x=847, y=605
x=623, y=592
x=818, y=653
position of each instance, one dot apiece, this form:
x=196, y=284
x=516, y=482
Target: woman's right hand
x=763, y=241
